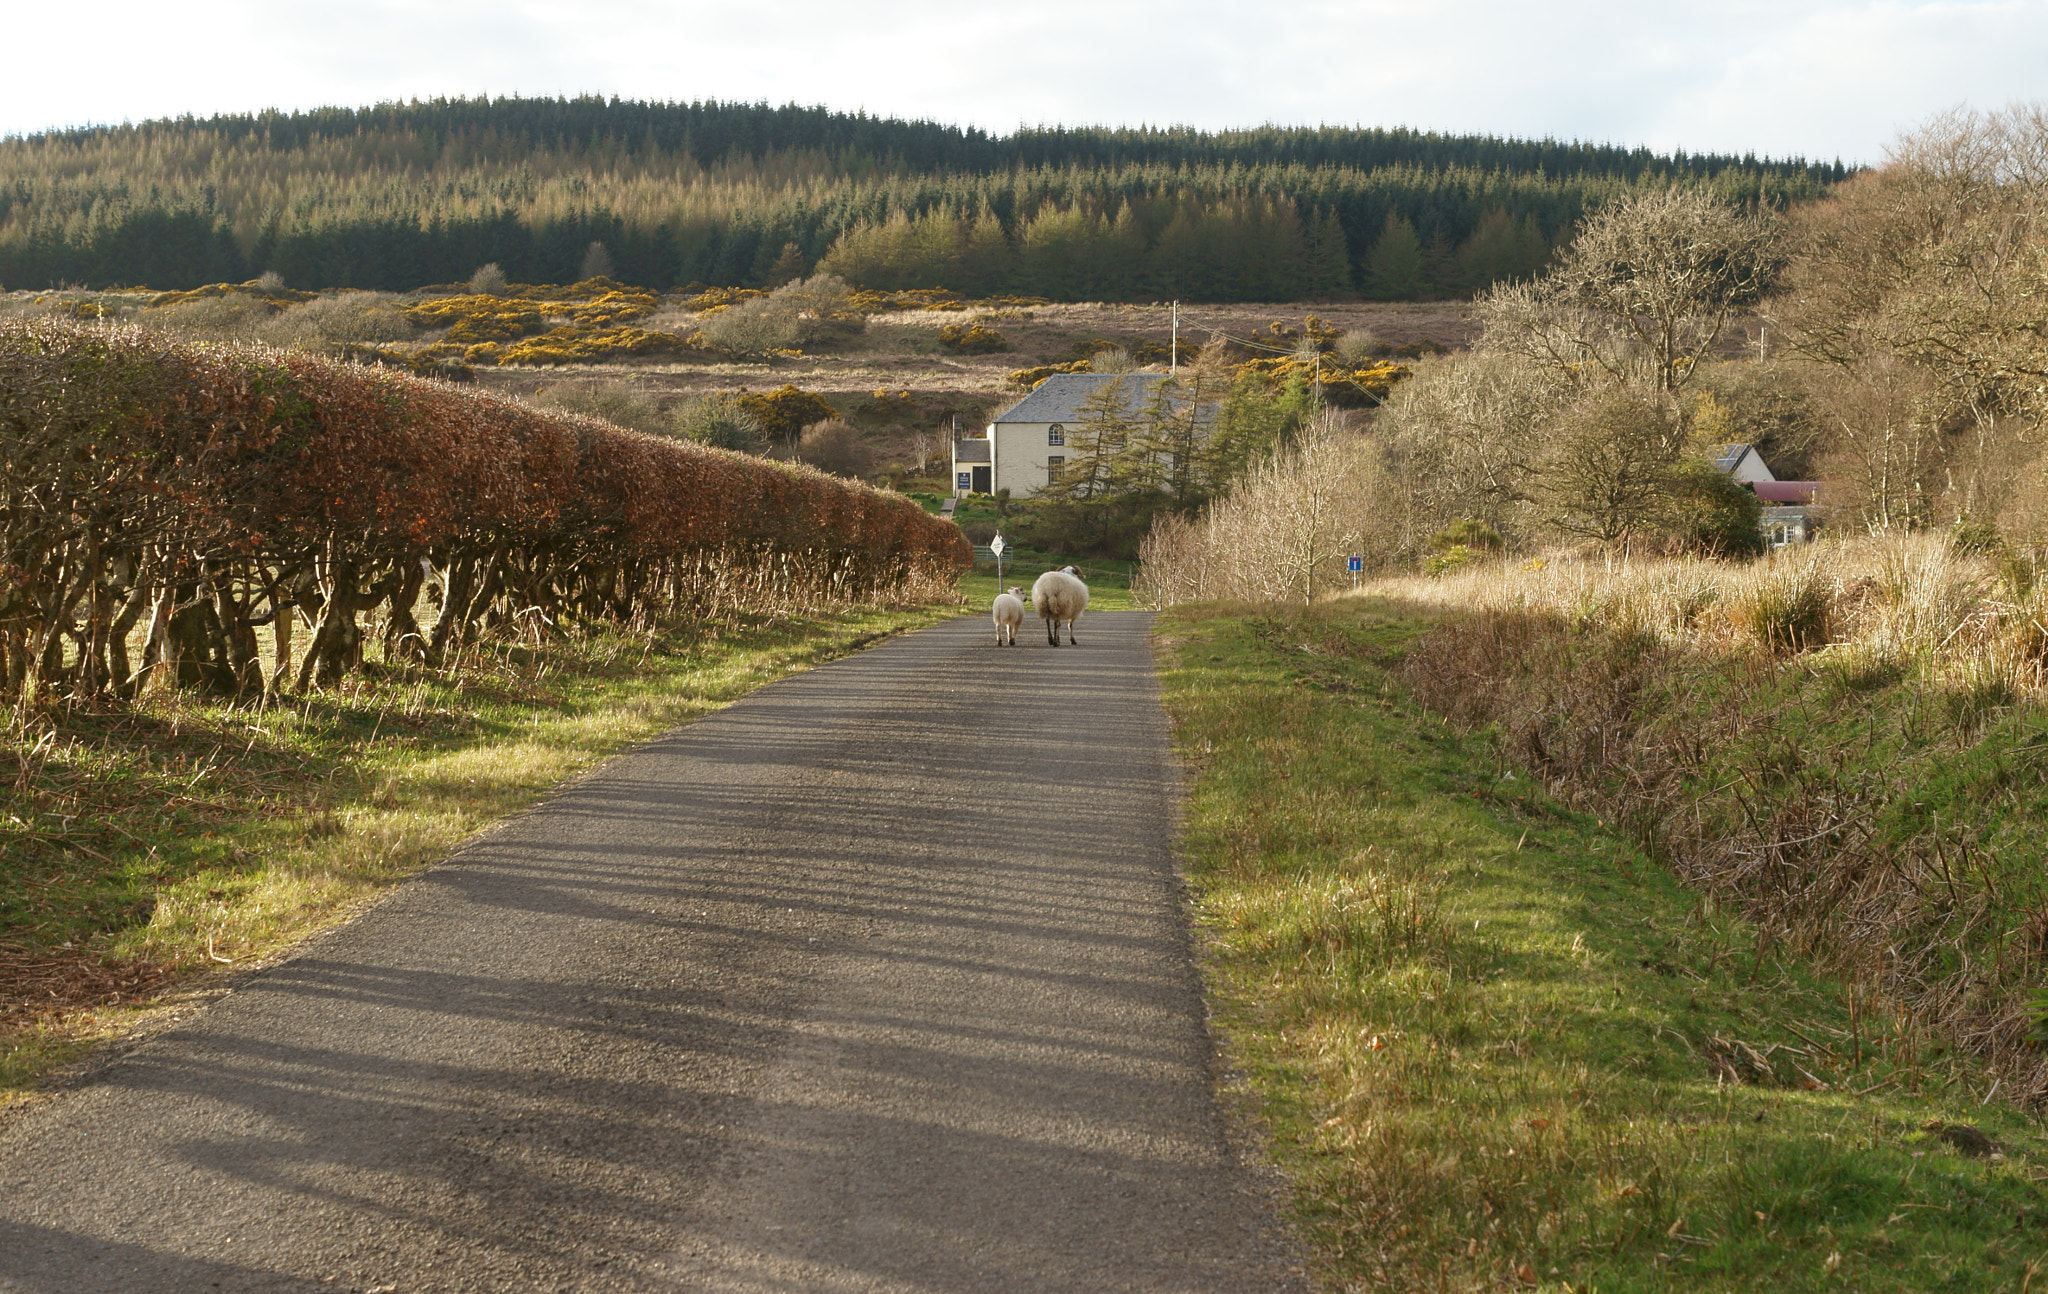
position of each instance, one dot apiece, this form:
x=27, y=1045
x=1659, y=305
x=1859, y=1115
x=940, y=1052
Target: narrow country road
x=876, y=981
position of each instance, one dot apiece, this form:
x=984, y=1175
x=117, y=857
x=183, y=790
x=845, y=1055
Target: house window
x=1055, y=435
x=1053, y=464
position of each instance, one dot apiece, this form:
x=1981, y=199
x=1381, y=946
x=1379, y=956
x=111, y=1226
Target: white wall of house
x=1024, y=455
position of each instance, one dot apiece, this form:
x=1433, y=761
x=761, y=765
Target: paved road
x=874, y=982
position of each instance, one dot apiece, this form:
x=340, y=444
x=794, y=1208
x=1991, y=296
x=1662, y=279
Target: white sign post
x=997, y=546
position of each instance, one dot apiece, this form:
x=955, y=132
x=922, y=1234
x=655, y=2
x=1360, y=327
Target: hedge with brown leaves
x=185, y=495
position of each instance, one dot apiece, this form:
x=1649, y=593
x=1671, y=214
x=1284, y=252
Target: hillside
x=745, y=195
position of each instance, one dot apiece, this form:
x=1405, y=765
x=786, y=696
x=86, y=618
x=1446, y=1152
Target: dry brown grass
x=1911, y=604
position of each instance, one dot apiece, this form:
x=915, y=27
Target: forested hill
x=737, y=194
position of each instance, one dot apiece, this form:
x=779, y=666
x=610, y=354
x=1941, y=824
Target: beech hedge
x=178, y=496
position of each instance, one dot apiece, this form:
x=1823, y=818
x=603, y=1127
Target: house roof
x=1727, y=457
x=970, y=451
x=1786, y=491
x=1060, y=398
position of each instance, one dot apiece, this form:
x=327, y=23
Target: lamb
x=1009, y=615
x=1056, y=596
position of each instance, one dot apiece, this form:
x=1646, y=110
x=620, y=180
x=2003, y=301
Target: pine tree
x=1492, y=253
x=788, y=267
x=1098, y=444
x=987, y=263
x=1393, y=269
x=1326, y=270
x=1440, y=266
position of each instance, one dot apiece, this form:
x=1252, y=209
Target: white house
x=1790, y=507
x=1743, y=463
x=1025, y=447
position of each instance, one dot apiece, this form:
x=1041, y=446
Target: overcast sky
x=1789, y=77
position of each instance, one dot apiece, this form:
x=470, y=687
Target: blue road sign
x=1356, y=562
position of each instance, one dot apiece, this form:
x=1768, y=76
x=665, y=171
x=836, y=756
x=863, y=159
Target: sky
x=1781, y=78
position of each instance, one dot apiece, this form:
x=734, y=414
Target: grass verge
x=1497, y=1048
x=146, y=846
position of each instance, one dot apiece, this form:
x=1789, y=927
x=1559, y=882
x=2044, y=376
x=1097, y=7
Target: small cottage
x=1789, y=510
x=1025, y=446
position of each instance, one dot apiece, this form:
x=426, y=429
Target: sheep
x=1056, y=596
x=1009, y=615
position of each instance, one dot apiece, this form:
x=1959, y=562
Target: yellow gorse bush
x=972, y=339
x=720, y=298
x=277, y=296
x=588, y=324
x=1372, y=380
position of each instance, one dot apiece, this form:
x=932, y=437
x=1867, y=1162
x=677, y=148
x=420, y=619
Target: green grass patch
x=1497, y=1047
x=147, y=844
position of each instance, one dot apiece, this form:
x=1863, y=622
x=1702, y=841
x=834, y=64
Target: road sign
x=997, y=545
x=1356, y=563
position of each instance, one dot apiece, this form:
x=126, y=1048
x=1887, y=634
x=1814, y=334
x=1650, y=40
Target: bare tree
x=1914, y=292
x=1469, y=439
x=1282, y=532
x=1641, y=296
x=1609, y=464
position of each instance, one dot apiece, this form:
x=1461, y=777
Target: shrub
x=596, y=310
x=784, y=413
x=615, y=402
x=1348, y=387
x=890, y=405
x=720, y=298
x=796, y=314
x=1711, y=513
x=869, y=301
x=834, y=446
x=343, y=319
x=720, y=421
x=1975, y=537
x=1032, y=377
x=576, y=345
x=972, y=339
x=1356, y=347
x=230, y=315
x=269, y=288
x=1451, y=557
x=1470, y=534
x=488, y=281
